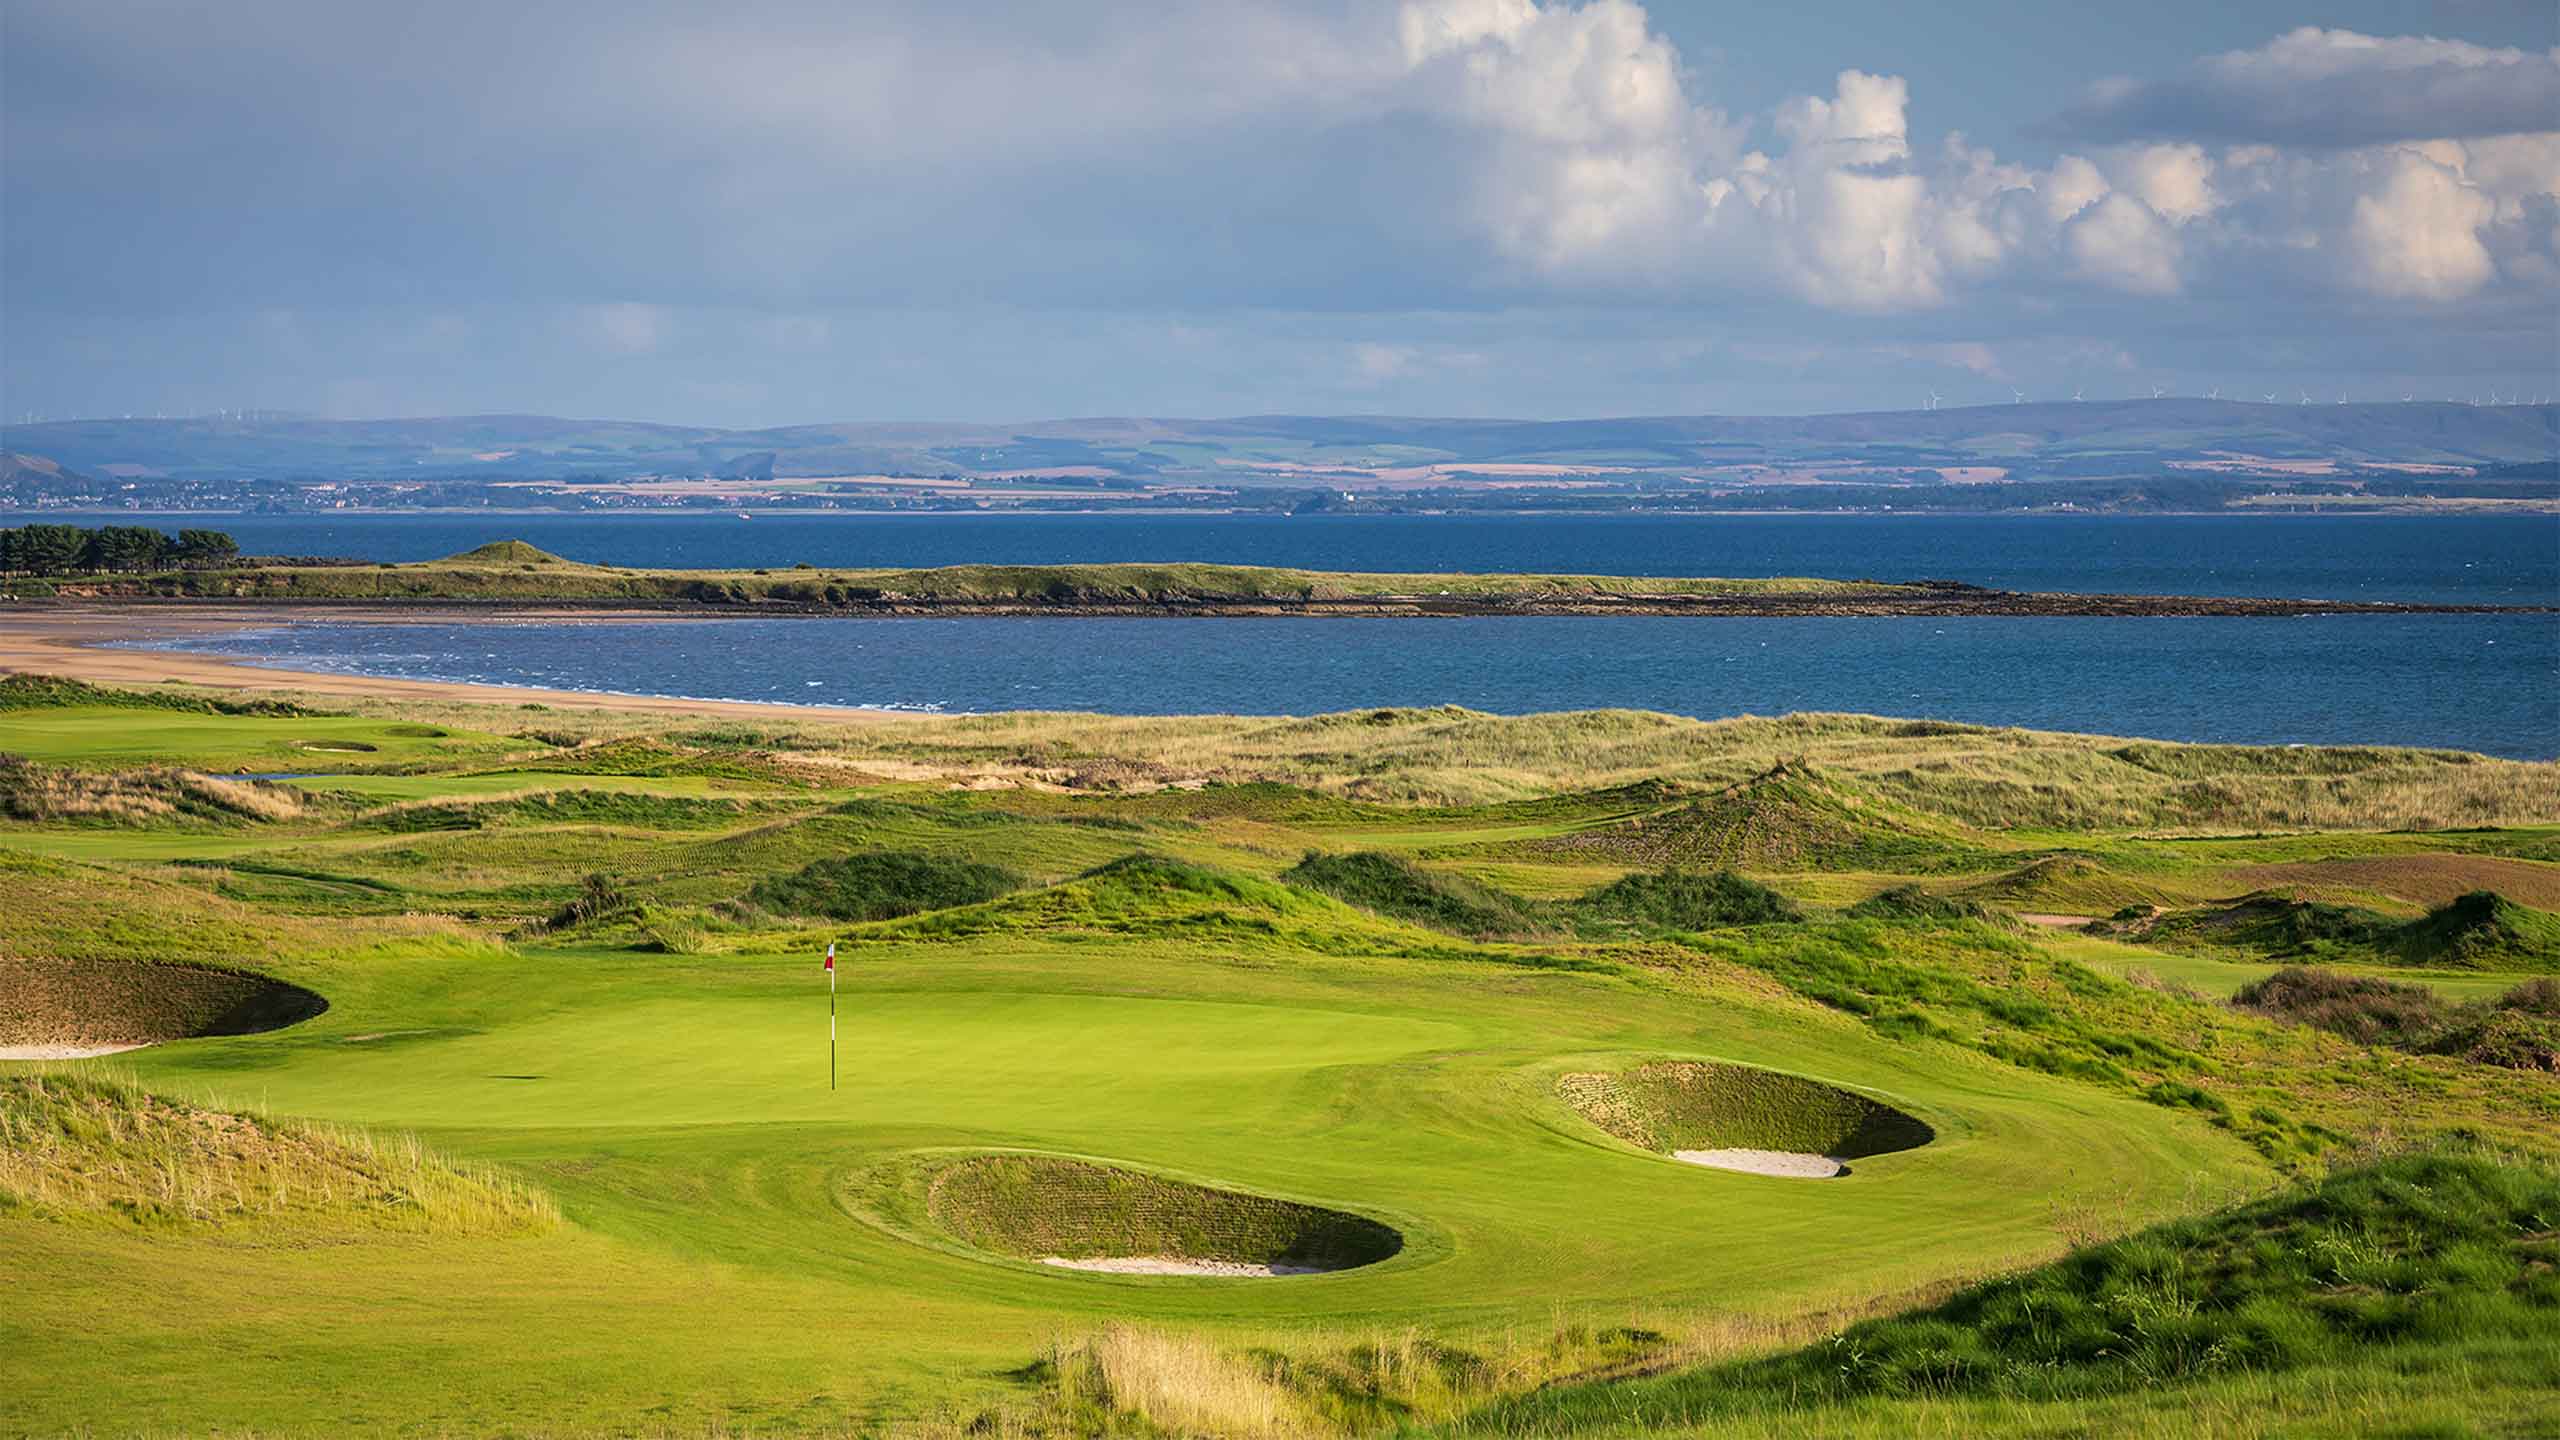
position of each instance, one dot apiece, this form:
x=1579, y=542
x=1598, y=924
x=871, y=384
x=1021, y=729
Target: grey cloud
x=2326, y=89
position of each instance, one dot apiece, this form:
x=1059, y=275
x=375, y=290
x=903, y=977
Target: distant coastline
x=512, y=577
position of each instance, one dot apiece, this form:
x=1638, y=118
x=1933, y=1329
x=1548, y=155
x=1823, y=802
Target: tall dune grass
x=76, y=1146
x=1977, y=775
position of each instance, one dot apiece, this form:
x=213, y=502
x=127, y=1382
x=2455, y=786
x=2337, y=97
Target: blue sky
x=768, y=213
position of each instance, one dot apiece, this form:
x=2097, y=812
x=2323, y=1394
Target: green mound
x=2510, y=1035
x=2479, y=931
x=1790, y=817
x=2520, y=1030
x=1688, y=900
x=1670, y=1105
x=2364, y=1008
x=1039, y=1207
x=506, y=552
x=562, y=807
x=648, y=759
x=1910, y=902
x=2065, y=885
x=882, y=885
x=49, y=692
x=2482, y=931
x=2270, y=923
x=1395, y=887
x=138, y=1002
x=2417, y=1255
x=75, y=1146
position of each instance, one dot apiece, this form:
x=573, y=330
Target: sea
x=2489, y=683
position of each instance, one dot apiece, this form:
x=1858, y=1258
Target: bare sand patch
x=70, y=643
x=1169, y=1265
x=61, y=1052
x=2056, y=922
x=1786, y=1163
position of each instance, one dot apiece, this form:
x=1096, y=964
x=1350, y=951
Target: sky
x=786, y=211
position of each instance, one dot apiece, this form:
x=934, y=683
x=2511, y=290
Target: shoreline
x=1926, y=600
x=2455, y=508
x=76, y=651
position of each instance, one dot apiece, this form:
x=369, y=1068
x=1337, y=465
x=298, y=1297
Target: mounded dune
x=2065, y=884
x=81, y=1145
x=1741, y=1118
x=61, y=1008
x=1085, y=1215
x=2482, y=930
x=1790, y=817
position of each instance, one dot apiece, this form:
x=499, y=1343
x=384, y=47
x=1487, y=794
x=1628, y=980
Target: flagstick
x=831, y=1014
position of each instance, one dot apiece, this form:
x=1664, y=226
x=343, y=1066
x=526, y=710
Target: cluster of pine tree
x=75, y=550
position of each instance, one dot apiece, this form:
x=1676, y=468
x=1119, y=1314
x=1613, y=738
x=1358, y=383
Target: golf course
x=454, y=1067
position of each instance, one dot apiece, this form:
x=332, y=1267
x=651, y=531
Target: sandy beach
x=70, y=643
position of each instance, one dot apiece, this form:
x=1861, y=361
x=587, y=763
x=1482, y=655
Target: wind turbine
x=2076, y=389
x=2214, y=394
x=2019, y=397
x=1934, y=398
x=2270, y=397
x=2342, y=397
x=2405, y=399
x=2306, y=397
x=2157, y=392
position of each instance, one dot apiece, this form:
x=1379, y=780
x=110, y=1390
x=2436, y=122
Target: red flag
x=831, y=954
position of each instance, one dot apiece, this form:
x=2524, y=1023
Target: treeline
x=75, y=550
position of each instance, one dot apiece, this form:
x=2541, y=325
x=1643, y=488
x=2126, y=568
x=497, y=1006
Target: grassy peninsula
x=513, y=573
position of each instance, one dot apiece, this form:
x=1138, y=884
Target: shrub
x=1690, y=900
x=1397, y=888
x=882, y=885
x=2364, y=1009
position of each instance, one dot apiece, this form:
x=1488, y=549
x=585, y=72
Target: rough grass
x=2519, y=1030
x=2425, y=1253
x=1910, y=902
x=2363, y=1008
x=882, y=885
x=2482, y=931
x=1687, y=900
x=77, y=1146
x=1695, y=1105
x=53, y=692
x=152, y=795
x=1394, y=886
x=2296, y=1095
x=1039, y=1206
x=1789, y=817
x=624, y=808
x=1975, y=776
x=2479, y=931
x=2065, y=885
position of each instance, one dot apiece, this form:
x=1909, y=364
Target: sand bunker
x=61, y=1052
x=1787, y=1163
x=74, y=1009
x=1166, y=1265
x=1735, y=1117
x=1106, y=1219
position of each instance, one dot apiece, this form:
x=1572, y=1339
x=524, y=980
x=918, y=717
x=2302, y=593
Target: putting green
x=678, y=1109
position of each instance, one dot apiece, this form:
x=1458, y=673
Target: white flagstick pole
x=831, y=1014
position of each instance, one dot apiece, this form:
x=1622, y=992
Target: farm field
x=1405, y=1019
